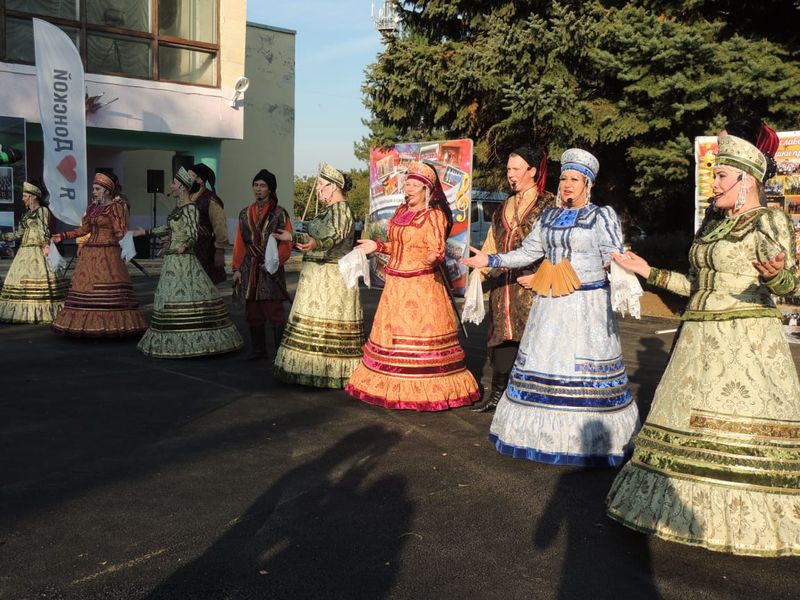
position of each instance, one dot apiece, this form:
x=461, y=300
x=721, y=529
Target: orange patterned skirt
x=413, y=359
x=101, y=301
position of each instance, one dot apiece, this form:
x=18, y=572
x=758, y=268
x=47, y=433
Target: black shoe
x=489, y=402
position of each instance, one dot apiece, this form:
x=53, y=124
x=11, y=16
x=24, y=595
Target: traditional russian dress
x=322, y=342
x=413, y=359
x=717, y=463
x=568, y=399
x=189, y=316
x=101, y=301
x=32, y=292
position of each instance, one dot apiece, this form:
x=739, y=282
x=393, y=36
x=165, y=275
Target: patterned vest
x=509, y=302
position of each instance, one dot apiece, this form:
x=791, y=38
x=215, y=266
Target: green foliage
x=633, y=81
x=357, y=197
x=668, y=250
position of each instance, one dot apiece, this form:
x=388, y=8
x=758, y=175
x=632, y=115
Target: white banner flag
x=62, y=107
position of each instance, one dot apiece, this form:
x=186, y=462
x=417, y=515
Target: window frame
x=84, y=28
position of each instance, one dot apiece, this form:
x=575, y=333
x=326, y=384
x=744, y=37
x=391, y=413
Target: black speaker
x=155, y=181
x=182, y=160
x=142, y=245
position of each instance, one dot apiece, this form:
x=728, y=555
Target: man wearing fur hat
x=509, y=301
x=264, y=293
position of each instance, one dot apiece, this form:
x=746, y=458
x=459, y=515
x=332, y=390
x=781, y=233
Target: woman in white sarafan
x=568, y=401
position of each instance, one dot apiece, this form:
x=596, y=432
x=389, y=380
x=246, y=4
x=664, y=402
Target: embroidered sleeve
x=677, y=283
x=219, y=223
x=191, y=221
x=44, y=222
x=285, y=247
x=119, y=219
x=529, y=252
x=775, y=234
x=238, y=247
x=80, y=230
x=609, y=233
x=436, y=241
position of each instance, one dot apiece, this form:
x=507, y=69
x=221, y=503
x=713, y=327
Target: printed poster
x=387, y=169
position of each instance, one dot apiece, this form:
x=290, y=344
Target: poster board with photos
x=452, y=160
x=782, y=191
x=12, y=176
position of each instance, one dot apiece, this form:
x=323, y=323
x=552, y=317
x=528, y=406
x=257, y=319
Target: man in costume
x=509, y=301
x=212, y=231
x=264, y=293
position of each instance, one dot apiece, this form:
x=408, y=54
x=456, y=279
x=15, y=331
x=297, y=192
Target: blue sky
x=335, y=42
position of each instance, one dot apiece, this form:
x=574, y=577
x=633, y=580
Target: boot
x=258, y=342
x=492, y=395
x=277, y=336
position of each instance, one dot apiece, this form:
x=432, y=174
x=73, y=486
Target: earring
x=558, y=199
x=427, y=198
x=742, y=197
x=588, y=192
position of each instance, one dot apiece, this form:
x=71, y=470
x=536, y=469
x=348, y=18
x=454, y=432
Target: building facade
x=163, y=72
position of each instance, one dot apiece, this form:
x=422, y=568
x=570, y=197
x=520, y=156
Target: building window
x=167, y=40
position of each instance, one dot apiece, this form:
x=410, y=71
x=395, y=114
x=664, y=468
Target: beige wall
x=268, y=121
x=268, y=108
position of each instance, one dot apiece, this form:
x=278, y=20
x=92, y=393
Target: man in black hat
x=509, y=301
x=212, y=230
x=264, y=293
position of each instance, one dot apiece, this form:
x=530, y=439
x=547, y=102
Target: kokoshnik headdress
x=423, y=173
x=582, y=161
x=184, y=178
x=29, y=188
x=329, y=173
x=741, y=154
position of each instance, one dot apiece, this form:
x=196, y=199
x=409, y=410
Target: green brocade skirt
x=189, y=317
x=325, y=332
x=31, y=292
x=717, y=462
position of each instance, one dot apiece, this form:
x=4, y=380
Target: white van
x=480, y=219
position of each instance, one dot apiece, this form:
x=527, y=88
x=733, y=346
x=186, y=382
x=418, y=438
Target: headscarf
x=106, y=182
x=205, y=173
x=268, y=178
x=529, y=154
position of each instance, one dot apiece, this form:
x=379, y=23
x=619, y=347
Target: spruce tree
x=632, y=81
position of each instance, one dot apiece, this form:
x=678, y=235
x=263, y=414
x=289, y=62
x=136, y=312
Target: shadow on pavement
x=327, y=529
x=595, y=548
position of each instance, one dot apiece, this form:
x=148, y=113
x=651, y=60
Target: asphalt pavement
x=127, y=477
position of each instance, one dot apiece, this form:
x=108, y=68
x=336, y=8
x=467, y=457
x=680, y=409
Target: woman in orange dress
x=413, y=359
x=101, y=301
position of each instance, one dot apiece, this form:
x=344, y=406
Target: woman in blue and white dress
x=568, y=400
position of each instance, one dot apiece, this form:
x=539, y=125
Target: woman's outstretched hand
x=769, y=268
x=478, y=261
x=367, y=246
x=632, y=262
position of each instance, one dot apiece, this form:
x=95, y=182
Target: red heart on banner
x=67, y=168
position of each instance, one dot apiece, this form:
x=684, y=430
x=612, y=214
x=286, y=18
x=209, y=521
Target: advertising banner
x=62, y=108
x=452, y=160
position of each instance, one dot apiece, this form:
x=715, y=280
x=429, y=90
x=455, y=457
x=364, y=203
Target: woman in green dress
x=189, y=317
x=717, y=463
x=32, y=292
x=325, y=332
